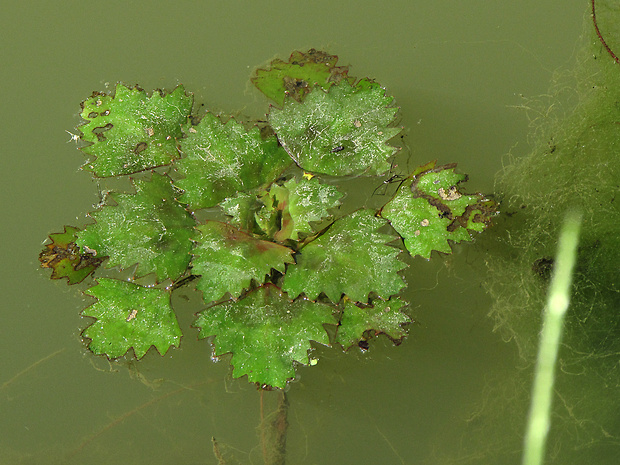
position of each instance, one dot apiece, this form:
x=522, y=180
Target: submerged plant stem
x=558, y=299
x=217, y=453
x=30, y=367
x=273, y=431
x=600, y=36
x=131, y=412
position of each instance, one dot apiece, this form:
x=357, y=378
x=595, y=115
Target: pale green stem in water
x=558, y=299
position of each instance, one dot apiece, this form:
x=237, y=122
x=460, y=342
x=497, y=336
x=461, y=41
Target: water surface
x=457, y=69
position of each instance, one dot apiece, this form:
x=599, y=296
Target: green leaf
x=131, y=131
x=428, y=210
x=268, y=218
x=288, y=209
x=241, y=209
x=299, y=74
x=66, y=259
x=266, y=333
x=149, y=228
x=340, y=132
x=349, y=258
x=221, y=159
x=381, y=317
x=229, y=259
x=303, y=202
x=129, y=316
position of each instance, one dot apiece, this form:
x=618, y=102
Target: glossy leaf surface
x=266, y=333
x=149, y=228
x=340, y=132
x=130, y=131
x=298, y=204
x=241, y=209
x=222, y=159
x=349, y=258
x=229, y=259
x=267, y=275
x=130, y=316
x=428, y=210
x=380, y=317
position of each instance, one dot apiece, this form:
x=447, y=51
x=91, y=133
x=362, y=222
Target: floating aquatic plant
x=253, y=218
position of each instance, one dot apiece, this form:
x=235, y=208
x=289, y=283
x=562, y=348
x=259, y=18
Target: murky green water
x=457, y=69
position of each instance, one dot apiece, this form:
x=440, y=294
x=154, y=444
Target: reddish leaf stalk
x=600, y=36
